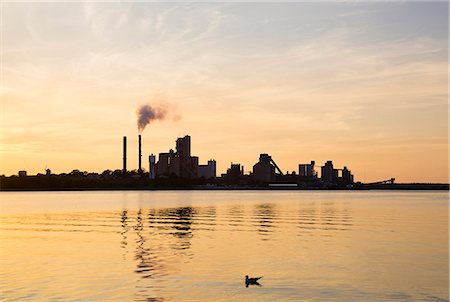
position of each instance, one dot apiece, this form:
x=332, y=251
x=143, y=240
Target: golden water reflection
x=332, y=248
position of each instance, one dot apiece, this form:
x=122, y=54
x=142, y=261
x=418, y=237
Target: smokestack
x=124, y=155
x=140, y=155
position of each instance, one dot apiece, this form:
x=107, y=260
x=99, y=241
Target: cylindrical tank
x=152, y=163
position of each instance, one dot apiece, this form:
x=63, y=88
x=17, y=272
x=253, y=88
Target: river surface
x=199, y=245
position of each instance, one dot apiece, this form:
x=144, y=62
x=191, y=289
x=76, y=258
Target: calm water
x=198, y=246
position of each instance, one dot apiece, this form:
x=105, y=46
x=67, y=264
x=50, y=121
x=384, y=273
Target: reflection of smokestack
x=124, y=155
x=140, y=155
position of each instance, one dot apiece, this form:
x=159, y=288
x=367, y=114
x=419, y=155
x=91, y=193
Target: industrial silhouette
x=180, y=163
x=179, y=169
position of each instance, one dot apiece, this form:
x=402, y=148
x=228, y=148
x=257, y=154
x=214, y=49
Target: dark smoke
x=148, y=113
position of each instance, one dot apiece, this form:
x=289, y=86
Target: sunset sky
x=362, y=84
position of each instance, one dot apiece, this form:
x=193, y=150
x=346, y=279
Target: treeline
x=71, y=182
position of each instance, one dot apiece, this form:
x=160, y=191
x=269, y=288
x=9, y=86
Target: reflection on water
x=124, y=224
x=330, y=248
x=265, y=214
x=328, y=217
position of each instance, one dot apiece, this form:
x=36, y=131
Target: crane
x=387, y=181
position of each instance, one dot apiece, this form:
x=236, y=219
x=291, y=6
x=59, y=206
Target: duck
x=252, y=281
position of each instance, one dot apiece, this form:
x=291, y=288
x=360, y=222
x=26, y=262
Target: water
x=199, y=245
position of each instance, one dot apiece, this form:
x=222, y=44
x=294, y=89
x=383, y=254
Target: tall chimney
x=140, y=155
x=124, y=155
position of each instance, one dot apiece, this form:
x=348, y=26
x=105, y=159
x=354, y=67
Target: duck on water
x=251, y=281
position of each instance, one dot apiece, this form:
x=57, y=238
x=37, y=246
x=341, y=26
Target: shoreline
x=86, y=183
x=394, y=187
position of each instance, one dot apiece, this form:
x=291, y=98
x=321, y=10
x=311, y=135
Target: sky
x=364, y=84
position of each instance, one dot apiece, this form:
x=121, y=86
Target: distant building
x=332, y=175
x=188, y=163
x=22, y=173
x=328, y=174
x=179, y=163
x=167, y=164
x=307, y=170
x=235, y=171
x=347, y=176
x=207, y=171
x=264, y=170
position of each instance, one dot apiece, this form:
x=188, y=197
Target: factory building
x=307, y=170
x=331, y=175
x=207, y=171
x=168, y=164
x=234, y=171
x=328, y=172
x=179, y=163
x=347, y=177
x=264, y=170
x=234, y=175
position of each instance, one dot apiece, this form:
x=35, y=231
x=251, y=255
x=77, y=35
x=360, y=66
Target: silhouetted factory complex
x=178, y=169
x=181, y=164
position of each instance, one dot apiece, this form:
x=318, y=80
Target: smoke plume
x=148, y=113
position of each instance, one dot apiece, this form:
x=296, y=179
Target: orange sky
x=364, y=85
